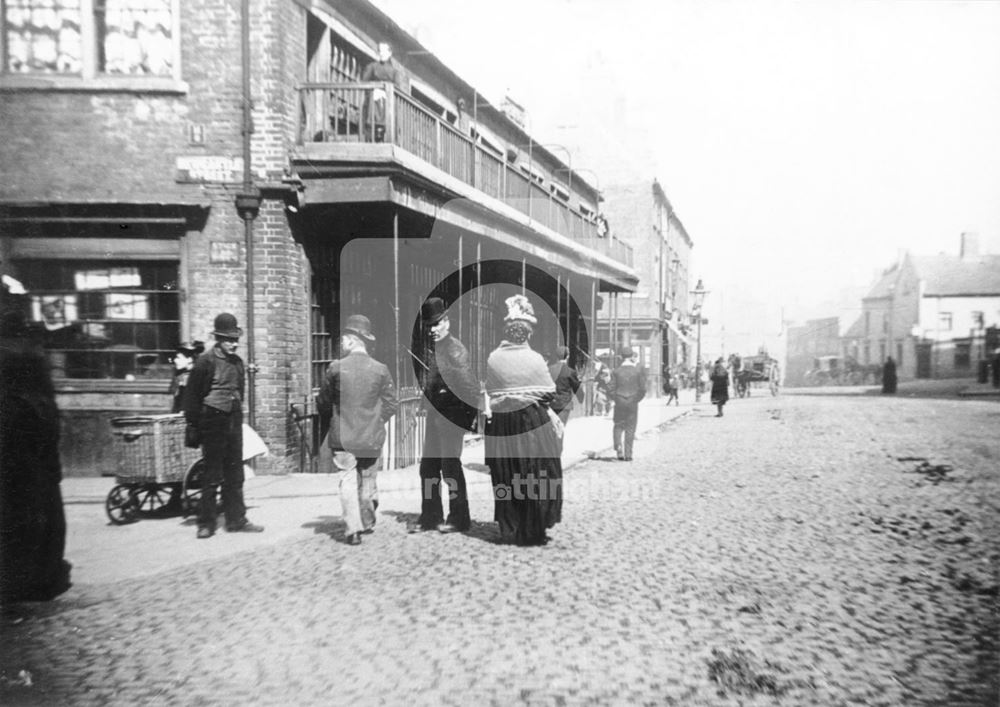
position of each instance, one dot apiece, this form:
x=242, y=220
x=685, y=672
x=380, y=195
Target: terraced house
x=164, y=161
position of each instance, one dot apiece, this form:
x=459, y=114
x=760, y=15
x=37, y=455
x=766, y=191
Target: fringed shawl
x=517, y=371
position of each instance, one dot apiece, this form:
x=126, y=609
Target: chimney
x=970, y=246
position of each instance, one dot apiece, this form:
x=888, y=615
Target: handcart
x=153, y=467
x=156, y=472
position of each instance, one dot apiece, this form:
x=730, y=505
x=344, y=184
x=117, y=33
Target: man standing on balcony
x=355, y=402
x=451, y=393
x=386, y=70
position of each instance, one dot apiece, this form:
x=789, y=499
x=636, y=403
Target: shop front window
x=104, y=319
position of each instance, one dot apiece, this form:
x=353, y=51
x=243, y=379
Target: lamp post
x=699, y=293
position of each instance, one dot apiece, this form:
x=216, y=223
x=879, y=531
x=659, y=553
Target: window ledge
x=106, y=385
x=108, y=84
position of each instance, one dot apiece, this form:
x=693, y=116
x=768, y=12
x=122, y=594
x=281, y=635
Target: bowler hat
x=225, y=325
x=627, y=352
x=432, y=311
x=360, y=325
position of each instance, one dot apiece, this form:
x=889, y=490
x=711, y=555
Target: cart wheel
x=774, y=387
x=121, y=505
x=150, y=498
x=191, y=495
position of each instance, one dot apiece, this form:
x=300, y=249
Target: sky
x=804, y=145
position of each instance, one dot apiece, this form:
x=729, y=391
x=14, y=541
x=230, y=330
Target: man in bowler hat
x=356, y=399
x=626, y=389
x=214, y=404
x=451, y=392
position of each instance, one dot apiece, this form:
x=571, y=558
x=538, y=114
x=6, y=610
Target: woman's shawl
x=516, y=371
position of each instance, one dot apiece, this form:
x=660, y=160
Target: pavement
x=288, y=506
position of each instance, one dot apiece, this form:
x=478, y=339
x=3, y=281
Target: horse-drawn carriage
x=754, y=371
x=841, y=370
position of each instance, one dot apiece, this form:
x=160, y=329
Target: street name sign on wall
x=199, y=169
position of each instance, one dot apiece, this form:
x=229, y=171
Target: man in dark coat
x=626, y=389
x=356, y=400
x=214, y=404
x=451, y=394
x=889, y=376
x=567, y=384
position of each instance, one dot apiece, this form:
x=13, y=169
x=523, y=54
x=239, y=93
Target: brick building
x=165, y=161
x=655, y=319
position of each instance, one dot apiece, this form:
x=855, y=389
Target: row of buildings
x=938, y=317
x=164, y=161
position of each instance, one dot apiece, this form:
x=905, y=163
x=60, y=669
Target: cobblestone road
x=802, y=550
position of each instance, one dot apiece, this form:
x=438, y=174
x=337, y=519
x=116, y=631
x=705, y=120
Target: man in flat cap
x=214, y=404
x=356, y=400
x=626, y=389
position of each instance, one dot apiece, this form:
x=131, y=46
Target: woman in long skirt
x=522, y=442
x=720, y=386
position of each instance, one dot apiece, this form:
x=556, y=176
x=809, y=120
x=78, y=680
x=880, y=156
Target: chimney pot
x=970, y=245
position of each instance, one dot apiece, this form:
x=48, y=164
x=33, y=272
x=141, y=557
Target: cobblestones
x=780, y=555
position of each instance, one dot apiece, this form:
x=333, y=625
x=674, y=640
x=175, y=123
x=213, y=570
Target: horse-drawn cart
x=754, y=371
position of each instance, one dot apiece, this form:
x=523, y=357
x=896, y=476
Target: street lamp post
x=699, y=293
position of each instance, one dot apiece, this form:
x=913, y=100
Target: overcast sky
x=803, y=144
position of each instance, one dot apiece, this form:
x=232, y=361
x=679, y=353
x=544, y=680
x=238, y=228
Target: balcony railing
x=376, y=113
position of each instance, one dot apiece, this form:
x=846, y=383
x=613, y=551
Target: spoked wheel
x=774, y=386
x=153, y=498
x=121, y=505
x=191, y=495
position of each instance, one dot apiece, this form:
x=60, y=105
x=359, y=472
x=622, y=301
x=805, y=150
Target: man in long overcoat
x=626, y=389
x=451, y=392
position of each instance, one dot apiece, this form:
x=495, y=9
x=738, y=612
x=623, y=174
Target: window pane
x=43, y=36
x=135, y=37
x=104, y=319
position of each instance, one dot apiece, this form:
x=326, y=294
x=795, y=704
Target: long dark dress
x=720, y=386
x=32, y=520
x=522, y=454
x=522, y=446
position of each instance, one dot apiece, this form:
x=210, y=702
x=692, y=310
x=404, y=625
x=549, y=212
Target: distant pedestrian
x=670, y=386
x=626, y=389
x=996, y=367
x=720, y=385
x=522, y=446
x=183, y=360
x=214, y=404
x=356, y=400
x=889, y=376
x=451, y=393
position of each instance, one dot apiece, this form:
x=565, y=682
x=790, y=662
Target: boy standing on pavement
x=626, y=389
x=214, y=404
x=355, y=401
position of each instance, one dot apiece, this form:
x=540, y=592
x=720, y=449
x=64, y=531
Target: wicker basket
x=151, y=449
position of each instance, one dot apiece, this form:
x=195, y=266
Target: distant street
x=807, y=549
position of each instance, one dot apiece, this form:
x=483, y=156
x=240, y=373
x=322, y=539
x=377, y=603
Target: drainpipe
x=248, y=205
